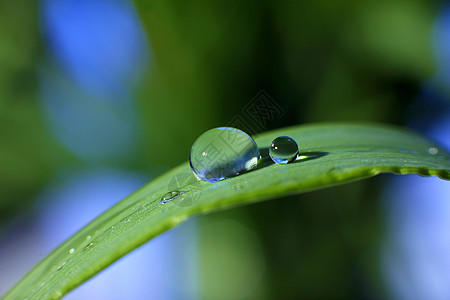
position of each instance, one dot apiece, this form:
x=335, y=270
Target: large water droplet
x=283, y=150
x=222, y=153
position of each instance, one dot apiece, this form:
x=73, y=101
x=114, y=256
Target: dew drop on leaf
x=433, y=150
x=60, y=267
x=222, y=153
x=283, y=150
x=237, y=186
x=169, y=196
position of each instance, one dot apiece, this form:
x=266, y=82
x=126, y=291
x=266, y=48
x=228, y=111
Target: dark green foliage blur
x=319, y=60
x=28, y=155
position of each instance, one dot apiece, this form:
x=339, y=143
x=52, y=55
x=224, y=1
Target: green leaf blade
x=333, y=154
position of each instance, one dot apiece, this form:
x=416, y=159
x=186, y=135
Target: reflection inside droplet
x=222, y=153
x=283, y=150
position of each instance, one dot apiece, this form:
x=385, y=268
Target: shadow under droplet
x=305, y=156
x=266, y=161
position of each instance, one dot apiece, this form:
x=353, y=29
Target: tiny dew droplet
x=283, y=150
x=61, y=266
x=167, y=197
x=433, y=150
x=72, y=250
x=237, y=186
x=222, y=153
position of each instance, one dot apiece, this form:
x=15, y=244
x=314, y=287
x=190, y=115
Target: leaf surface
x=330, y=154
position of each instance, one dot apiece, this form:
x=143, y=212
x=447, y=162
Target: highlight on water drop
x=222, y=153
x=283, y=150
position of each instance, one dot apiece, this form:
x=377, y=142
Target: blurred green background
x=194, y=66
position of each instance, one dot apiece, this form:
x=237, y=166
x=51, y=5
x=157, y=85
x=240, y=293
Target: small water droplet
x=72, y=250
x=433, y=150
x=126, y=221
x=283, y=150
x=89, y=246
x=237, y=186
x=169, y=196
x=88, y=237
x=61, y=266
x=222, y=153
